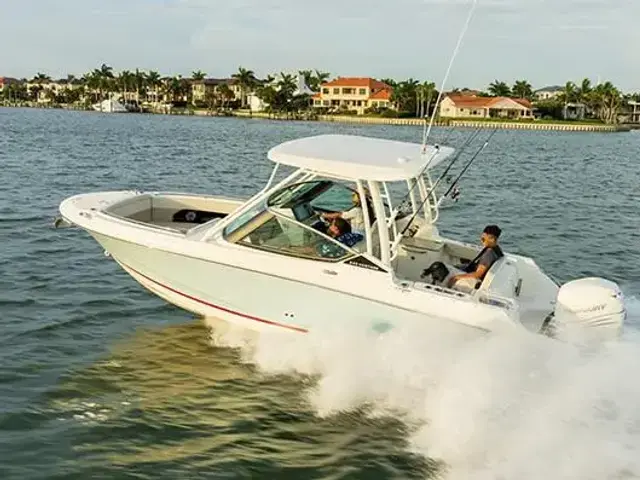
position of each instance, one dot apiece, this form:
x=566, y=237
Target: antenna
x=427, y=131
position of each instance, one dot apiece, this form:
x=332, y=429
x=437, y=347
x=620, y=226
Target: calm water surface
x=100, y=379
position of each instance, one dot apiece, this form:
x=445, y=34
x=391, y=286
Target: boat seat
x=361, y=246
x=501, y=279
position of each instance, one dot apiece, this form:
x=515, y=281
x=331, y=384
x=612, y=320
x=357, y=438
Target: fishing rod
x=404, y=201
x=453, y=184
x=432, y=189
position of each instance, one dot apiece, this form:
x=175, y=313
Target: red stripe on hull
x=218, y=307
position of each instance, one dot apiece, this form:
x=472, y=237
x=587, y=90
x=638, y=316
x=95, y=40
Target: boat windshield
x=289, y=221
x=274, y=232
x=305, y=200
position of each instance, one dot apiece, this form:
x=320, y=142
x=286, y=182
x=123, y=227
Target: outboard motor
x=588, y=309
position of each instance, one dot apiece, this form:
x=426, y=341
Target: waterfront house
x=634, y=111
x=201, y=90
x=548, y=93
x=256, y=104
x=353, y=94
x=6, y=81
x=574, y=111
x=471, y=106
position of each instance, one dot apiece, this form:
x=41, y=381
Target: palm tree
x=198, y=75
x=522, y=89
x=607, y=99
x=91, y=81
x=569, y=93
x=41, y=78
x=389, y=81
x=172, y=88
x=318, y=79
x=140, y=83
x=100, y=79
x=246, y=79
x=404, y=95
x=499, y=89
x=584, y=94
x=287, y=84
x=425, y=93
x=584, y=90
x=125, y=81
x=153, y=81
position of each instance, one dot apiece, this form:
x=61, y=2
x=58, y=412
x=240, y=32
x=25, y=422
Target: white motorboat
x=260, y=262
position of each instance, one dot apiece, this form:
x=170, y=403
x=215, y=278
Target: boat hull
x=257, y=300
x=214, y=278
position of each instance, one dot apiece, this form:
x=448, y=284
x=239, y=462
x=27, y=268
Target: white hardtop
x=356, y=157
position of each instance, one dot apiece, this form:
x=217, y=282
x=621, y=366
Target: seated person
x=340, y=230
x=469, y=277
x=354, y=215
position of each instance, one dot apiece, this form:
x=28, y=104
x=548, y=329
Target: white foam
x=523, y=406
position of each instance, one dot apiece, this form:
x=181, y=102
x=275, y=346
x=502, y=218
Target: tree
x=139, y=83
x=499, y=89
x=584, y=91
x=426, y=93
x=569, y=93
x=389, y=81
x=607, y=100
x=41, y=78
x=126, y=82
x=246, y=79
x=522, y=89
x=100, y=79
x=225, y=94
x=152, y=80
x=318, y=79
x=405, y=96
x=268, y=94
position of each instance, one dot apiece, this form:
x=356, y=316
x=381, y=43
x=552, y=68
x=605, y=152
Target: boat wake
x=524, y=407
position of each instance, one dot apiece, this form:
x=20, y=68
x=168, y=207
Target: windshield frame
x=263, y=209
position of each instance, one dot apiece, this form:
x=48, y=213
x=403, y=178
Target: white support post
x=383, y=230
x=364, y=204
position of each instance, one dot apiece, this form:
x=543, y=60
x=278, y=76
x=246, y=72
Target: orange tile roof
x=381, y=95
x=467, y=101
x=523, y=101
x=316, y=95
x=372, y=83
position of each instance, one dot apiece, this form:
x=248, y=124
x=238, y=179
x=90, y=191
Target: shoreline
x=363, y=120
x=453, y=123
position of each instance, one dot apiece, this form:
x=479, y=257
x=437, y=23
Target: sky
x=547, y=42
